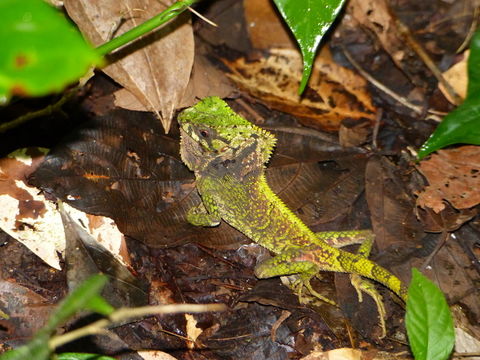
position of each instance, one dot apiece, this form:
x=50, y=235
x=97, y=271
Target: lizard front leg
x=204, y=214
x=289, y=263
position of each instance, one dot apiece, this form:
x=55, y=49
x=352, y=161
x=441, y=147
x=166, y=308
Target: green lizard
x=228, y=156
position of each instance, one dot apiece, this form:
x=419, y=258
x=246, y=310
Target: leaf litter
x=141, y=179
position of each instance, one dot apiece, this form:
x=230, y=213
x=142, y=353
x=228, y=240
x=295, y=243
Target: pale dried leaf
x=157, y=68
x=457, y=77
x=334, y=93
x=24, y=213
x=206, y=80
x=454, y=176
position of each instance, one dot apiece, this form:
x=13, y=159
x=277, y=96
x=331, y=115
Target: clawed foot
x=362, y=285
x=300, y=282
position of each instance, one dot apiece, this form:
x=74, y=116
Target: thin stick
x=402, y=100
x=418, y=48
x=129, y=313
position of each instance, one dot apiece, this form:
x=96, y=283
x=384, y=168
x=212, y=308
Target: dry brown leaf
x=454, y=176
x=156, y=69
x=206, y=80
x=334, y=92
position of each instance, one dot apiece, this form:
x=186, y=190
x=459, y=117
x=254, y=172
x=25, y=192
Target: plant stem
x=128, y=313
x=160, y=19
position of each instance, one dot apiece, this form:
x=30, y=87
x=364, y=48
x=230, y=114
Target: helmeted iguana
x=228, y=156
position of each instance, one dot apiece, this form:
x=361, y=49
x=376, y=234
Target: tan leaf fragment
x=156, y=69
x=454, y=176
x=334, y=92
x=457, y=78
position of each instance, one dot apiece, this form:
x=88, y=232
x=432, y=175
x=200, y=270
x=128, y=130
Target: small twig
x=49, y=110
x=465, y=354
x=473, y=26
x=129, y=313
x=208, y=21
x=376, y=128
x=418, y=48
x=284, y=316
x=402, y=100
x=305, y=132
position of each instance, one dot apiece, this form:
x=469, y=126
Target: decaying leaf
x=28, y=217
x=391, y=206
x=334, y=92
x=156, y=69
x=24, y=213
x=453, y=176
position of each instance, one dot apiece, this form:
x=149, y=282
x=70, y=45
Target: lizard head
x=211, y=129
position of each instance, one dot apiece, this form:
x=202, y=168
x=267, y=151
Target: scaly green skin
x=228, y=155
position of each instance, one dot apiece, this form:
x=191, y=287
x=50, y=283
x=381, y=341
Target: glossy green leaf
x=428, y=320
x=308, y=20
x=462, y=125
x=42, y=52
x=82, y=356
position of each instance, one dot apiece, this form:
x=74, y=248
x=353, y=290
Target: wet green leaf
x=462, y=125
x=42, y=52
x=428, y=320
x=308, y=20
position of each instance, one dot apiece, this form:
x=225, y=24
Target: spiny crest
x=214, y=113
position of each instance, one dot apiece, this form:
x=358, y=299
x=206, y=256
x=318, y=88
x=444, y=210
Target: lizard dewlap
x=228, y=156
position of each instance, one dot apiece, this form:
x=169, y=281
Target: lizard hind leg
x=365, y=238
x=284, y=264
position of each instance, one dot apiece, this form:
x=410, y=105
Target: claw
x=361, y=286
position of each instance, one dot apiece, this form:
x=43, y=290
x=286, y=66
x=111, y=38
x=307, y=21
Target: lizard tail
x=357, y=264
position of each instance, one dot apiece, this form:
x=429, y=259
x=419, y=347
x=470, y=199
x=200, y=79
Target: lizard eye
x=204, y=133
